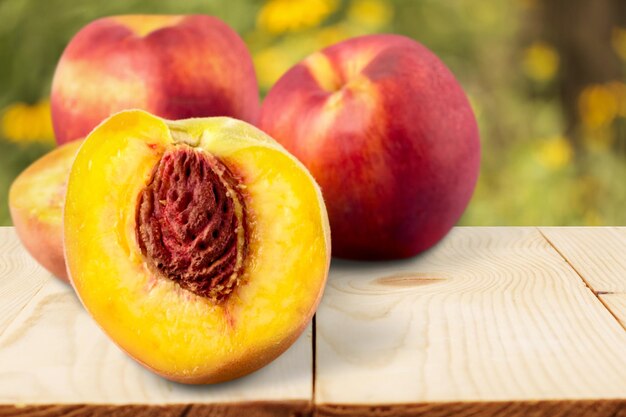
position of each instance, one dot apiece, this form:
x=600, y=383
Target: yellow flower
x=22, y=122
x=372, y=13
x=270, y=64
x=555, y=152
x=619, y=41
x=280, y=16
x=597, y=106
x=541, y=61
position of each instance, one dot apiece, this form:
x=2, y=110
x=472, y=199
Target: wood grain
x=489, y=315
x=580, y=408
x=53, y=354
x=242, y=409
x=597, y=253
x=92, y=410
x=20, y=276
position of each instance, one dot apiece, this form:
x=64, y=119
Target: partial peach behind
x=172, y=66
x=36, y=201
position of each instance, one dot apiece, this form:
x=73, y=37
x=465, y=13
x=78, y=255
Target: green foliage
x=35, y=32
x=533, y=170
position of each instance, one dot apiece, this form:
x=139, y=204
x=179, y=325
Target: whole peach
x=388, y=133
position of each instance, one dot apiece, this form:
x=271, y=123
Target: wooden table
x=492, y=322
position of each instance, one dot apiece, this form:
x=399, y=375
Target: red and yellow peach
x=389, y=135
x=173, y=66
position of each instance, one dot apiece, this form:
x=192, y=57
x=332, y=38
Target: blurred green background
x=545, y=78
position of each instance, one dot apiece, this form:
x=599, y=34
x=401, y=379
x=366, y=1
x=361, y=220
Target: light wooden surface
x=491, y=322
x=20, y=277
x=490, y=314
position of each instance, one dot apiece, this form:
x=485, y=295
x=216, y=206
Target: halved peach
x=200, y=246
x=36, y=203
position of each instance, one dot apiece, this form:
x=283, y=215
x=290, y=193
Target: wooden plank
x=490, y=319
x=491, y=322
x=53, y=354
x=20, y=276
x=597, y=253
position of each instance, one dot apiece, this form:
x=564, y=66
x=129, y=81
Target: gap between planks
x=313, y=351
x=596, y=294
x=22, y=308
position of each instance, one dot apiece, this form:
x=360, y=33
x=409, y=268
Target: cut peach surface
x=36, y=203
x=200, y=246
